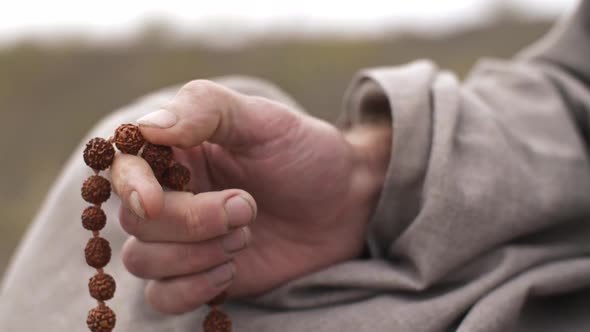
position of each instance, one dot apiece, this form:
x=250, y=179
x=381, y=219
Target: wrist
x=371, y=150
x=371, y=146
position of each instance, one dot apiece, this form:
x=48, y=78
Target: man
x=438, y=206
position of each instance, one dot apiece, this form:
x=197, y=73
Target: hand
x=309, y=187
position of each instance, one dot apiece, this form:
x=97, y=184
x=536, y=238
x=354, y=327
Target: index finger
x=206, y=111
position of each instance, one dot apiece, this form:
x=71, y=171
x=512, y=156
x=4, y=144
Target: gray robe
x=483, y=223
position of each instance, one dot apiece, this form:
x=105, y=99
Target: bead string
x=99, y=155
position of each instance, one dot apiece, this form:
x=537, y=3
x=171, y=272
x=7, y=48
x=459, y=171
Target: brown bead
x=101, y=319
x=128, y=138
x=102, y=286
x=97, y=252
x=218, y=300
x=158, y=157
x=175, y=177
x=96, y=189
x=217, y=321
x=99, y=154
x=94, y=218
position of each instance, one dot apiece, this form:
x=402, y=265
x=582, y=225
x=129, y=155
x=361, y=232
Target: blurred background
x=65, y=64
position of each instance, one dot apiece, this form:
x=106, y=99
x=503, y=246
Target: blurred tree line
x=50, y=96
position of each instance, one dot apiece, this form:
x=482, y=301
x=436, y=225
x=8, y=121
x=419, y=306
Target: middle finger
x=186, y=217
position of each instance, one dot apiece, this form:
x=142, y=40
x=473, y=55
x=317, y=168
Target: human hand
x=309, y=187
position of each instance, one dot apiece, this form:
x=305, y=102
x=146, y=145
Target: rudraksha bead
x=99, y=154
x=175, y=177
x=97, y=252
x=96, y=189
x=102, y=286
x=101, y=319
x=94, y=218
x=217, y=321
x=128, y=138
x=158, y=157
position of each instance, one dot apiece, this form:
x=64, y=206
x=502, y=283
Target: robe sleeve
x=479, y=164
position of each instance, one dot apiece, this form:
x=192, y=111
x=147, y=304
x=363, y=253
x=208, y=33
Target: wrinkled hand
x=278, y=194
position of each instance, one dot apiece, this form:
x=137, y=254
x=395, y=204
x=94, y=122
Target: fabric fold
x=406, y=93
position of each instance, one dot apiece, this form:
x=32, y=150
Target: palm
x=298, y=212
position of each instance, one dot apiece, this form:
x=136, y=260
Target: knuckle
x=196, y=257
x=185, y=142
x=128, y=222
x=123, y=165
x=193, y=226
x=183, y=252
x=261, y=102
x=132, y=259
x=187, y=255
x=199, y=88
x=185, y=300
x=153, y=296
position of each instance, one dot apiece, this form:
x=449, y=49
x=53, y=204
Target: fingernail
x=135, y=204
x=236, y=240
x=238, y=210
x=161, y=119
x=221, y=275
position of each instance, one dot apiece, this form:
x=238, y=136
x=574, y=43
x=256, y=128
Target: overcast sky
x=113, y=18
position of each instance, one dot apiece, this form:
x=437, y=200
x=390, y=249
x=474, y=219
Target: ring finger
x=156, y=260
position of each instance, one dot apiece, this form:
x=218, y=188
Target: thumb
x=206, y=111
